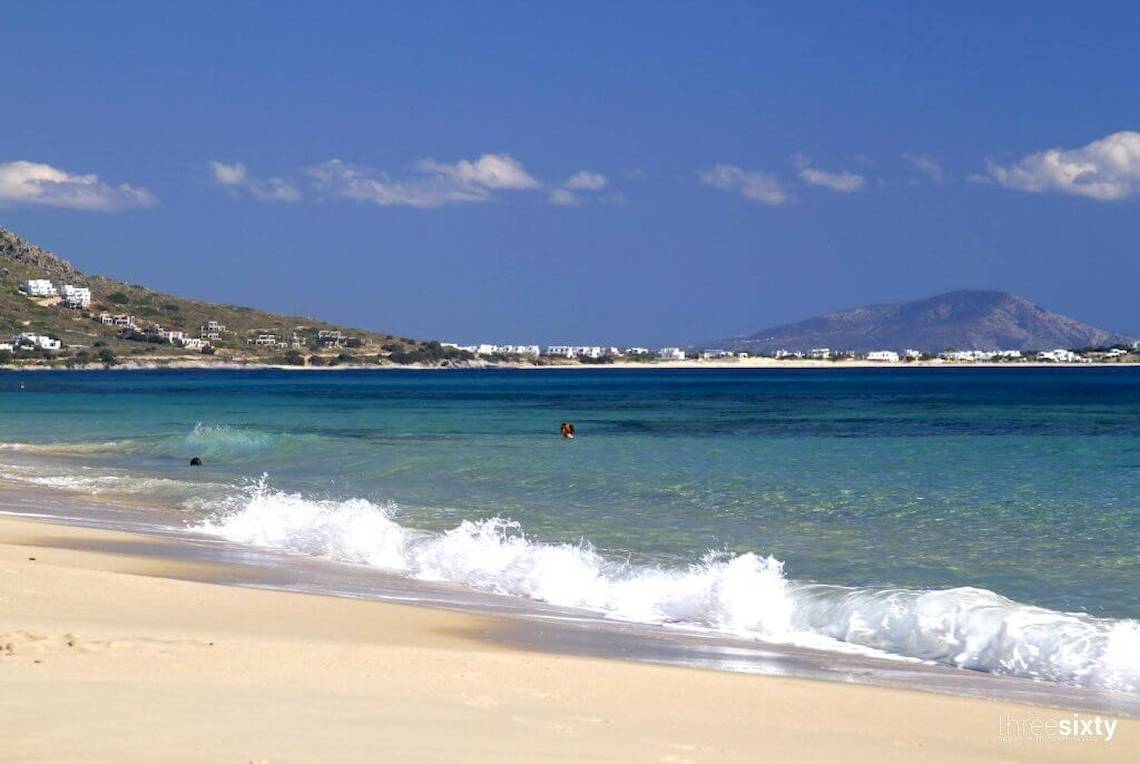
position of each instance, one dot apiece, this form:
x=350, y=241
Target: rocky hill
x=84, y=337
x=964, y=320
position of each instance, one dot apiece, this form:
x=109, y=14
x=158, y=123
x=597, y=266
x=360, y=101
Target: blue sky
x=587, y=172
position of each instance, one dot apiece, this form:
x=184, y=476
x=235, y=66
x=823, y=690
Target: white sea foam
x=64, y=448
x=85, y=480
x=746, y=594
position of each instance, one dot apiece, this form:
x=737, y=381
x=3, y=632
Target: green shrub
x=119, y=298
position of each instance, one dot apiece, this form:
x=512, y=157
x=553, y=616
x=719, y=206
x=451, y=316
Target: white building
x=194, y=343
x=6, y=346
x=174, y=338
x=527, y=350
x=576, y=351
x=637, y=351
x=105, y=318
x=40, y=288
x=1060, y=355
x=883, y=356
x=708, y=355
x=820, y=354
x=125, y=321
x=76, y=297
x=265, y=339
x=670, y=354
x=211, y=330
x=913, y=355
x=971, y=356
x=41, y=341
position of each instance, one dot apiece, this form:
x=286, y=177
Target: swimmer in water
x=567, y=430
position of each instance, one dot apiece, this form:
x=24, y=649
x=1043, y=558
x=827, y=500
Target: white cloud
x=495, y=171
x=751, y=184
x=274, y=190
x=1107, y=169
x=843, y=182
x=564, y=198
x=337, y=178
x=34, y=183
x=927, y=165
x=435, y=185
x=586, y=180
x=236, y=176
x=228, y=174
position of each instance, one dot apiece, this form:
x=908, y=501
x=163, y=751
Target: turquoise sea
x=983, y=518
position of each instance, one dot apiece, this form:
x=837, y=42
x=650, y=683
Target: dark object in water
x=195, y=462
x=567, y=430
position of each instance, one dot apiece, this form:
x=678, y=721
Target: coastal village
x=595, y=354
x=302, y=345
x=54, y=316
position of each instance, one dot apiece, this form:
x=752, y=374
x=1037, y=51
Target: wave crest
x=743, y=595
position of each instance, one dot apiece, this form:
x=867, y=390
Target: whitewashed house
x=637, y=351
x=968, y=355
x=76, y=297
x=527, y=350
x=211, y=330
x=39, y=288
x=194, y=343
x=265, y=339
x=820, y=354
x=1060, y=355
x=883, y=356
x=41, y=341
x=671, y=354
x=174, y=338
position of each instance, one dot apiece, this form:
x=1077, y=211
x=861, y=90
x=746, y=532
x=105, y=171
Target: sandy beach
x=107, y=657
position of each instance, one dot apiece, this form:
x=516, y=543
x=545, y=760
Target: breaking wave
x=743, y=595
x=225, y=442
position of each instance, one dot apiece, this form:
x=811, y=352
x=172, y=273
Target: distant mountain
x=966, y=320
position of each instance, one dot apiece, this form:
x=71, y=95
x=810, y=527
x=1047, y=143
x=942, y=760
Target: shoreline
x=160, y=661
x=742, y=364
x=529, y=624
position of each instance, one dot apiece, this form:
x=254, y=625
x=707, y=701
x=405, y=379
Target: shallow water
x=799, y=505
